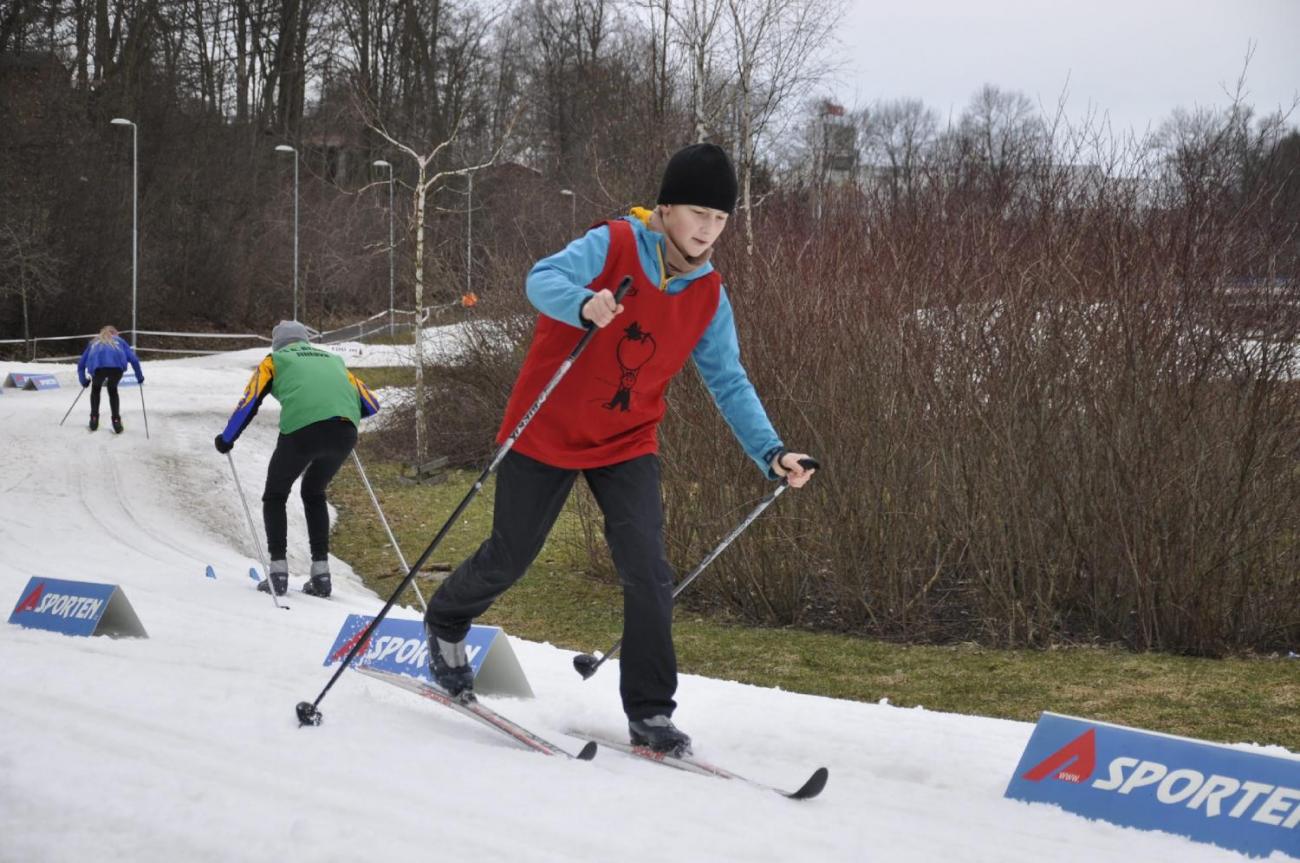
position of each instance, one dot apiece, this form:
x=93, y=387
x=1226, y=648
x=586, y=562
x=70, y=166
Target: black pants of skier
x=315, y=452
x=529, y=497
x=99, y=379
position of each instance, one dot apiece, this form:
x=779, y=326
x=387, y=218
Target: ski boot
x=449, y=666
x=279, y=578
x=117, y=425
x=319, y=583
x=659, y=733
x=94, y=422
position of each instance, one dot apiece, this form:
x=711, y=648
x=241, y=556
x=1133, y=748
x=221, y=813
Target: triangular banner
x=398, y=646
x=77, y=608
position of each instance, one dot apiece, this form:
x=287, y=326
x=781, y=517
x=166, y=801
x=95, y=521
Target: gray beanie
x=288, y=332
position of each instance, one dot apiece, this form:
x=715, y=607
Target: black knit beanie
x=700, y=174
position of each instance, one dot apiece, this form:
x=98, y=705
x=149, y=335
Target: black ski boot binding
x=319, y=583
x=279, y=579
x=450, y=667
x=659, y=733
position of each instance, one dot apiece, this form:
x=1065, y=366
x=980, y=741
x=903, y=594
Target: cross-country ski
x=691, y=764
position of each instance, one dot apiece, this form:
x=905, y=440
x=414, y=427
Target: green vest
x=312, y=385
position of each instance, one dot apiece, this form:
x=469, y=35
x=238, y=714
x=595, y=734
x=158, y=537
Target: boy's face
x=693, y=229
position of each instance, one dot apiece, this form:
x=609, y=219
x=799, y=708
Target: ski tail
x=475, y=710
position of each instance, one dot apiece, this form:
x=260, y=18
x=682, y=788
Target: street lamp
x=573, y=209
x=469, y=235
x=285, y=148
x=380, y=163
x=135, y=219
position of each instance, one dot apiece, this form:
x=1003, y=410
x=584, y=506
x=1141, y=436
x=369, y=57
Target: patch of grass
x=386, y=376
x=1231, y=700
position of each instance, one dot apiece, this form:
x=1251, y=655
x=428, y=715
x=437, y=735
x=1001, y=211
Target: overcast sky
x=1135, y=59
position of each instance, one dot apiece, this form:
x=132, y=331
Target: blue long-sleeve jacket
x=102, y=355
x=556, y=286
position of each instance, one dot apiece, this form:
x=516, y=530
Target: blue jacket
x=99, y=355
x=557, y=287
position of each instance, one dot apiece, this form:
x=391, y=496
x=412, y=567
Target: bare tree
x=895, y=135
x=1002, y=131
x=777, y=47
x=697, y=23
x=427, y=178
x=660, y=17
x=29, y=268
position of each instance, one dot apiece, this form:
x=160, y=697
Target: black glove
x=85, y=384
x=222, y=447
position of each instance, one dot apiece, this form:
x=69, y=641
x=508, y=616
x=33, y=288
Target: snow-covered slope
x=185, y=746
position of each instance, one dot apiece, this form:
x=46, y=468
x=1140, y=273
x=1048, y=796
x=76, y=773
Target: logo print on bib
x=635, y=349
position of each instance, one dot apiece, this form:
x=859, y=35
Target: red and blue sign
x=399, y=647
x=32, y=381
x=1234, y=798
x=76, y=608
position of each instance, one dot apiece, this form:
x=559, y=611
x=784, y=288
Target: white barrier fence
x=387, y=322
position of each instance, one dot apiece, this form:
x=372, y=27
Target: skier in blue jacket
x=104, y=360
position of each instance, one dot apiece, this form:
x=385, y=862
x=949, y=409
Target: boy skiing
x=604, y=421
x=321, y=405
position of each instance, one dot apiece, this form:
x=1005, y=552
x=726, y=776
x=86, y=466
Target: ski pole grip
x=809, y=463
x=623, y=287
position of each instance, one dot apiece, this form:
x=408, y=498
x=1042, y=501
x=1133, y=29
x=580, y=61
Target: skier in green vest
x=321, y=405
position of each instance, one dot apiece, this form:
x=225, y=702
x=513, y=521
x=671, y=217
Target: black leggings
x=97, y=380
x=318, y=449
x=529, y=497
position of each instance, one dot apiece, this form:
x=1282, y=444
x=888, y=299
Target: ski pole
x=257, y=540
x=587, y=665
x=401, y=558
x=73, y=405
x=308, y=711
x=146, y=416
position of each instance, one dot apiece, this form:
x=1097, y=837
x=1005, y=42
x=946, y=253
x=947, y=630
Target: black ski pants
x=103, y=376
x=314, y=452
x=529, y=497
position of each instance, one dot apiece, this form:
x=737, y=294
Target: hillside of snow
x=185, y=746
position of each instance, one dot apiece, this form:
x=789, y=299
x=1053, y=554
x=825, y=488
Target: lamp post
x=285, y=148
x=469, y=235
x=380, y=163
x=573, y=209
x=135, y=220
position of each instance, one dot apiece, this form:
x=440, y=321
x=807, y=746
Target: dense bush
x=1069, y=415
x=1056, y=408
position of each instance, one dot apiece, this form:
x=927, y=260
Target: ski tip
x=210, y=572
x=588, y=752
x=813, y=786
x=252, y=573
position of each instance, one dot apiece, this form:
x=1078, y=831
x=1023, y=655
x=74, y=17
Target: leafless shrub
x=1044, y=414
